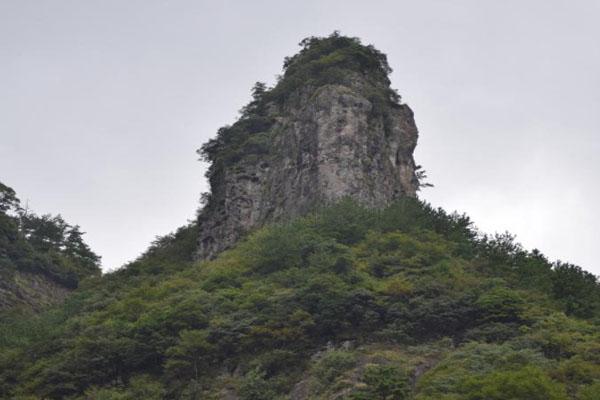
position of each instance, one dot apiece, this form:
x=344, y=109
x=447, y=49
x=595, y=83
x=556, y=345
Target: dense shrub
x=528, y=383
x=383, y=382
x=332, y=365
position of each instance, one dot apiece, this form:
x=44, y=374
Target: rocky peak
x=331, y=128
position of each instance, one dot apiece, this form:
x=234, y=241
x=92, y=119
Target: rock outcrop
x=317, y=144
x=29, y=290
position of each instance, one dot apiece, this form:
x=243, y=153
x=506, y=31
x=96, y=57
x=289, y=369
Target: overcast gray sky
x=103, y=104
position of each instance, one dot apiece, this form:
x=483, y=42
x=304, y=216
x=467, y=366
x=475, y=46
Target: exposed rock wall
x=326, y=143
x=29, y=290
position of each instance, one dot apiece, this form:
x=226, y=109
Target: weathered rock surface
x=326, y=143
x=29, y=290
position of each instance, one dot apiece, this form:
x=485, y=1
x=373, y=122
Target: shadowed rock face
x=326, y=143
x=29, y=291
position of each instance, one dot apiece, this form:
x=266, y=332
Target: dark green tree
x=8, y=199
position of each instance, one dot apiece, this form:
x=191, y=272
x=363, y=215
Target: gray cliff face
x=325, y=144
x=30, y=291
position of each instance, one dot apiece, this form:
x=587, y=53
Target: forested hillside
x=408, y=302
x=42, y=258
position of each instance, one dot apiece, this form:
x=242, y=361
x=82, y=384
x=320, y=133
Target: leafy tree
x=8, y=199
x=75, y=247
x=257, y=105
x=500, y=304
x=421, y=177
x=579, y=290
x=190, y=355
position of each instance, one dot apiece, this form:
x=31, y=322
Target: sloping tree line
x=45, y=244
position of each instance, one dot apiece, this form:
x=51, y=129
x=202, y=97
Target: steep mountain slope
x=41, y=258
x=404, y=302
x=345, y=298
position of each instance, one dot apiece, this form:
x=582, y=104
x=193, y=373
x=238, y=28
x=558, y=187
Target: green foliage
x=326, y=60
x=42, y=244
x=387, y=254
x=527, y=383
x=383, y=382
x=500, y=304
x=190, y=355
x=478, y=368
x=255, y=387
x=333, y=364
x=283, y=246
x=560, y=337
x=166, y=254
x=254, y=319
x=590, y=392
x=140, y=387
x=577, y=289
x=8, y=199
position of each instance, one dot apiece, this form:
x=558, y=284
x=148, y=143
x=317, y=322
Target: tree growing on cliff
x=421, y=175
